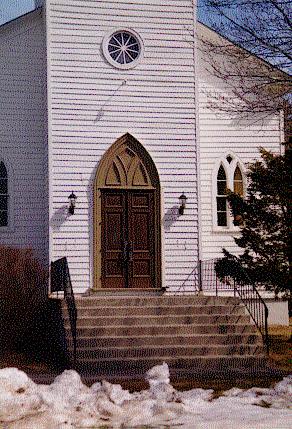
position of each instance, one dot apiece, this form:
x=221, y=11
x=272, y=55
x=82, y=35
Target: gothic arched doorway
x=127, y=248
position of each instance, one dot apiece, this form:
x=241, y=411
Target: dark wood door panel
x=141, y=237
x=128, y=239
x=113, y=238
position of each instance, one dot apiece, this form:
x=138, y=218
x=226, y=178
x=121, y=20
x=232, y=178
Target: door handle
x=130, y=251
x=125, y=251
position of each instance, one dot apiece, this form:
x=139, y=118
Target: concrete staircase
x=124, y=336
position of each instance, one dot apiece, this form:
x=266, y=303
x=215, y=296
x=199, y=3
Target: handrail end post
x=267, y=338
x=200, y=276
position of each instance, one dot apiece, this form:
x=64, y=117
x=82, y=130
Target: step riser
x=183, y=364
x=132, y=331
x=163, y=311
x=167, y=341
x=159, y=321
x=130, y=334
x=164, y=351
x=96, y=302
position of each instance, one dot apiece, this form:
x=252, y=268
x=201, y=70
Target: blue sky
x=10, y=9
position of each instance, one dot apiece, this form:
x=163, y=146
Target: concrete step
x=178, y=364
x=162, y=310
x=209, y=319
x=168, y=340
x=132, y=331
x=166, y=300
x=158, y=351
x=127, y=335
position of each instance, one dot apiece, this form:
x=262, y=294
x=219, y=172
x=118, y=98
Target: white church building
x=105, y=106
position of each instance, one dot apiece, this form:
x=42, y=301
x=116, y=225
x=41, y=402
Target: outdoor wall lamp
x=72, y=198
x=183, y=201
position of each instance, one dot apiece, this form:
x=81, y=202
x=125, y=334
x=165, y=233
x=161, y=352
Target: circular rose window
x=123, y=48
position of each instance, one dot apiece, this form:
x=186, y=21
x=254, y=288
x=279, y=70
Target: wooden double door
x=128, y=238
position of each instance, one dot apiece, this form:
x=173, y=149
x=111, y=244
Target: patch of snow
x=68, y=403
x=284, y=386
x=116, y=393
x=19, y=395
x=158, y=374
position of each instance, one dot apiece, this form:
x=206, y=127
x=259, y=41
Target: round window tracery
x=123, y=48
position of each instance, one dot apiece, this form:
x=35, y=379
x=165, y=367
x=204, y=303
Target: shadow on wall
x=90, y=199
x=59, y=217
x=170, y=217
x=248, y=120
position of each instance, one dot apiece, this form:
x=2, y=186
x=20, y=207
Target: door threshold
x=126, y=292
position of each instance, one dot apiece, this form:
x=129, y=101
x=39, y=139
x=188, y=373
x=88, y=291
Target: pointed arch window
x=4, y=196
x=221, y=197
x=228, y=174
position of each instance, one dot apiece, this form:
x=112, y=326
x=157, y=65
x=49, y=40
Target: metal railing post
x=243, y=286
x=200, y=277
x=61, y=281
x=266, y=330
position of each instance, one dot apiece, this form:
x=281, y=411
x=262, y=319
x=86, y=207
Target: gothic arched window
x=221, y=197
x=228, y=174
x=3, y=195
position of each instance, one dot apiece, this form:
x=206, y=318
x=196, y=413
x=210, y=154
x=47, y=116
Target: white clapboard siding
x=220, y=134
x=23, y=132
x=92, y=104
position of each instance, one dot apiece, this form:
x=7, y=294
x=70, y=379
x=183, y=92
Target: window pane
x=3, y=186
x=237, y=174
x=229, y=159
x=238, y=188
x=221, y=204
x=222, y=219
x=3, y=202
x=118, y=37
x=3, y=171
x=238, y=181
x=221, y=173
x=221, y=187
x=221, y=181
x=3, y=218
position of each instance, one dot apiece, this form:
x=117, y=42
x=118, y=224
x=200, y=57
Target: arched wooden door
x=127, y=218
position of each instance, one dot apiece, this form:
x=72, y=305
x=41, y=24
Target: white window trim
x=10, y=175
x=110, y=60
x=229, y=171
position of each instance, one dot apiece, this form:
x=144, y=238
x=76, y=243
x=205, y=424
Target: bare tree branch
x=251, y=55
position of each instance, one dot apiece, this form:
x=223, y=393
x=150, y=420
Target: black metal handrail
x=61, y=281
x=238, y=282
x=190, y=283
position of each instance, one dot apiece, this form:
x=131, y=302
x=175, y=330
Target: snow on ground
x=68, y=403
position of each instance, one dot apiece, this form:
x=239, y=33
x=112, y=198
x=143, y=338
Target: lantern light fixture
x=72, y=198
x=183, y=201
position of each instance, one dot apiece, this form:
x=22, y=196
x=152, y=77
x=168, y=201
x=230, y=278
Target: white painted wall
x=220, y=134
x=90, y=108
x=23, y=131
x=278, y=312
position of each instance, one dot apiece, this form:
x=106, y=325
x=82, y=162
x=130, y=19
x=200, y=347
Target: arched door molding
x=127, y=173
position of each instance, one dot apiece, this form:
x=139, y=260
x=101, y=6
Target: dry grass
x=281, y=346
